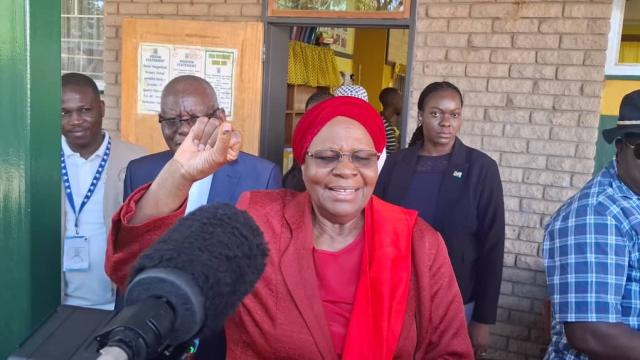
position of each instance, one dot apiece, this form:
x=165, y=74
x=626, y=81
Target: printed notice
x=154, y=75
x=159, y=63
x=219, y=69
x=186, y=61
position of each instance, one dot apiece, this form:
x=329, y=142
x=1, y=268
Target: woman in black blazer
x=457, y=189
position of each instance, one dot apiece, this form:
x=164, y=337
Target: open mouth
x=345, y=190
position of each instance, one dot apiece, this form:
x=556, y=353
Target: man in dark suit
x=184, y=99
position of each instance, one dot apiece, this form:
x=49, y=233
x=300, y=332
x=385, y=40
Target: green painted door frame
x=29, y=167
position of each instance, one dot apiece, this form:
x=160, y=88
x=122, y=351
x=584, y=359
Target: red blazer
x=283, y=317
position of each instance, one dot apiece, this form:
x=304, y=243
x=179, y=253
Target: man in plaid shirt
x=592, y=255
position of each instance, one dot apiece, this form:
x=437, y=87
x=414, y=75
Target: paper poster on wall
x=154, y=74
x=159, y=63
x=218, y=71
x=187, y=61
x=341, y=39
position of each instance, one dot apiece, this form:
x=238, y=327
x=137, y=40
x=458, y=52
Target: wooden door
x=140, y=125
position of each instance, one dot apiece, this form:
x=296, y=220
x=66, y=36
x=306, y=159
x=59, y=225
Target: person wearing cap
x=591, y=255
x=348, y=276
x=352, y=90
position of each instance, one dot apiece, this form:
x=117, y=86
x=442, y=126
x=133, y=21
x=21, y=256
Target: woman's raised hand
x=211, y=143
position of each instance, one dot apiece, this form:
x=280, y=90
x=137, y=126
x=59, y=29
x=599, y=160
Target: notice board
x=226, y=54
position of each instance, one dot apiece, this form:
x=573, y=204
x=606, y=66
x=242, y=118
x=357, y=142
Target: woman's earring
x=419, y=120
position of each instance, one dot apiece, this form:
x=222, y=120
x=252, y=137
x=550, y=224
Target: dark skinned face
x=81, y=113
x=441, y=119
x=184, y=103
x=339, y=193
x=628, y=163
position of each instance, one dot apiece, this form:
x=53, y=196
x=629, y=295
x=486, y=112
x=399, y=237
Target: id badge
x=76, y=253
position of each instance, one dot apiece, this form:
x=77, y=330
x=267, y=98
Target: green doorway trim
x=622, y=77
x=29, y=167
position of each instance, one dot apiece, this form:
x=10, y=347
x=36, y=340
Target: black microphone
x=188, y=282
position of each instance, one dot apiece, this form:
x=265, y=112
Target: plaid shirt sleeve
x=586, y=259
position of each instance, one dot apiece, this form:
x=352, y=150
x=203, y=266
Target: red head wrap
x=318, y=116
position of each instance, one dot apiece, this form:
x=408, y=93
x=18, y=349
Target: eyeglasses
x=635, y=147
x=330, y=158
x=176, y=122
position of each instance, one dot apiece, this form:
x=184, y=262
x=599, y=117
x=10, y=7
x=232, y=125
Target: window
x=341, y=5
x=83, y=38
x=381, y=9
x=623, y=54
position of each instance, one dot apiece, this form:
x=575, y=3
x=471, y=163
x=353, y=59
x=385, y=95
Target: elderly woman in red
x=348, y=275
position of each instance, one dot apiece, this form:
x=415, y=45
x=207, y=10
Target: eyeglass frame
x=191, y=120
x=333, y=164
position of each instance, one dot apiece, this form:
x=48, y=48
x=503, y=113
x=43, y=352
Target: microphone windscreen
x=221, y=249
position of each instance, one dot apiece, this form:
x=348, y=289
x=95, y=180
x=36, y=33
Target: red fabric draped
x=383, y=288
x=318, y=116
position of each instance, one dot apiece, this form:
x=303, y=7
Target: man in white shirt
x=93, y=165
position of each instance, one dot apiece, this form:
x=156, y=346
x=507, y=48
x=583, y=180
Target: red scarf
x=318, y=116
x=383, y=288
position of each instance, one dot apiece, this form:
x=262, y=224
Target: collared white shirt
x=382, y=159
x=90, y=288
x=199, y=193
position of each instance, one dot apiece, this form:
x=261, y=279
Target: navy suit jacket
x=248, y=172
x=469, y=215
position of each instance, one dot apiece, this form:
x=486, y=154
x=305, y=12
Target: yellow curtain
x=629, y=52
x=312, y=66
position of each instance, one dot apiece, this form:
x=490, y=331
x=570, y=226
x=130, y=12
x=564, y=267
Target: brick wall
x=531, y=73
x=116, y=10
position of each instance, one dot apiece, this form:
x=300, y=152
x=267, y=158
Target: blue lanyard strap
x=92, y=186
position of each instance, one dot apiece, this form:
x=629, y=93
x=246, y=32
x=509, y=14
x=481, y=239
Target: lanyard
x=92, y=186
